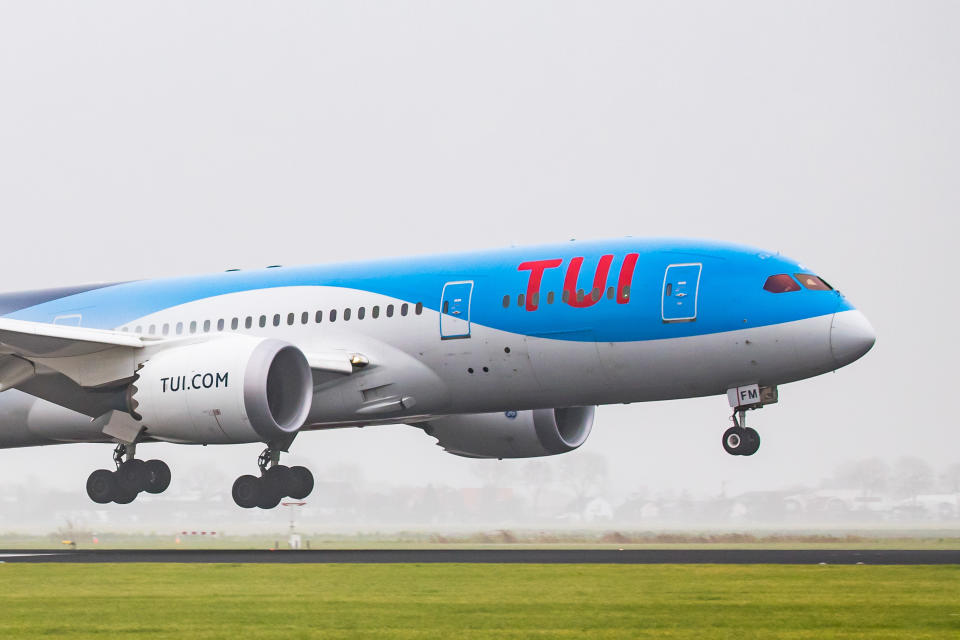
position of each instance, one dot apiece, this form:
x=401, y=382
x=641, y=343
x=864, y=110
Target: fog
x=142, y=140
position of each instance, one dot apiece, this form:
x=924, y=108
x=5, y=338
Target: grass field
x=478, y=601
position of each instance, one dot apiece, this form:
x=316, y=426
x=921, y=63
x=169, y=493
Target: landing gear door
x=455, y=310
x=681, y=284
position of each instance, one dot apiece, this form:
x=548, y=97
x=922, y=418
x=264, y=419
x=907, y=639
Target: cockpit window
x=813, y=282
x=781, y=283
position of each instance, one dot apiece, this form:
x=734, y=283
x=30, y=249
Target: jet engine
x=225, y=390
x=513, y=434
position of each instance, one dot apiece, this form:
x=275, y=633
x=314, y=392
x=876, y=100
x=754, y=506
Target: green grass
x=478, y=601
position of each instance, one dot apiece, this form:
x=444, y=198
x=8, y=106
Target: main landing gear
x=132, y=477
x=275, y=482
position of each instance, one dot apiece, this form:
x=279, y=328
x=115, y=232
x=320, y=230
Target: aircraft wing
x=26, y=346
x=43, y=340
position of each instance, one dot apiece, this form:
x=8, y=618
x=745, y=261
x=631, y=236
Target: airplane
x=495, y=354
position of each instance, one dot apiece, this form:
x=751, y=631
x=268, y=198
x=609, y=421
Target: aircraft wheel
x=246, y=491
x=132, y=476
x=751, y=441
x=279, y=477
x=301, y=483
x=101, y=486
x=733, y=441
x=158, y=476
x=271, y=489
x=122, y=496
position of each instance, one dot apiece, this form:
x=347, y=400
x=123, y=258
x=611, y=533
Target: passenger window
x=565, y=296
x=549, y=297
x=506, y=302
x=276, y=319
x=152, y=330
x=235, y=323
x=206, y=325
x=781, y=283
x=376, y=312
x=419, y=308
x=446, y=306
x=520, y=300
x=290, y=318
x=403, y=309
x=139, y=329
x=610, y=292
x=596, y=293
x=263, y=321
x=220, y=324
x=248, y=322
x=304, y=318
x=318, y=318
x=625, y=293
x=361, y=312
x=179, y=328
x=346, y=314
x=193, y=326
x=535, y=300
x=166, y=328
x=333, y=315
x=389, y=310
x=813, y=282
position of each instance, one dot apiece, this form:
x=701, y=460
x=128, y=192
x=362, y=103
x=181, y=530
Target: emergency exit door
x=455, y=310
x=681, y=284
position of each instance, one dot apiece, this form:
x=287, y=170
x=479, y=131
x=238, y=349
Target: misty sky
x=148, y=139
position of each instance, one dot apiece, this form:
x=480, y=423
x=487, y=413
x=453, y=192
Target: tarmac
x=510, y=556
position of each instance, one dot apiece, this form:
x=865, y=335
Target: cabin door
x=455, y=310
x=681, y=284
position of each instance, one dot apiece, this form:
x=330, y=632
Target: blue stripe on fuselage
x=730, y=297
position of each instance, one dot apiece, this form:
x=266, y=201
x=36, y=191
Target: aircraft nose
x=851, y=336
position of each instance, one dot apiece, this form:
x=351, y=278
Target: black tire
x=132, y=476
x=301, y=483
x=279, y=478
x=124, y=497
x=158, y=476
x=271, y=488
x=733, y=441
x=102, y=486
x=751, y=442
x=246, y=491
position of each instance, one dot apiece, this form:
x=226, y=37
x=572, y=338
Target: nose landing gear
x=276, y=481
x=741, y=440
x=131, y=477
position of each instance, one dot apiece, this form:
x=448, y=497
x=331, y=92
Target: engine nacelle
x=228, y=389
x=514, y=434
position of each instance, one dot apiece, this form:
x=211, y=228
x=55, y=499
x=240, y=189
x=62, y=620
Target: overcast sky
x=146, y=139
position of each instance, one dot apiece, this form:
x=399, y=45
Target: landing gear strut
x=131, y=477
x=275, y=482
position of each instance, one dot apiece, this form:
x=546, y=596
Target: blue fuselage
x=729, y=295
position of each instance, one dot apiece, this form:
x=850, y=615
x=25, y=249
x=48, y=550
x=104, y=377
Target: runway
x=509, y=556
